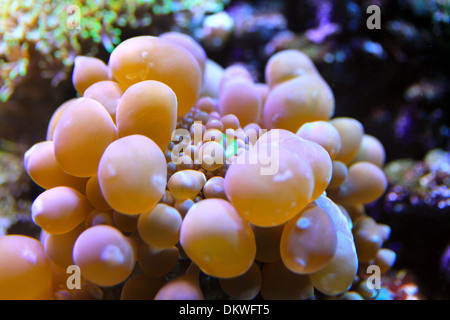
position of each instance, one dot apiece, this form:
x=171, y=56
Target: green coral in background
x=57, y=31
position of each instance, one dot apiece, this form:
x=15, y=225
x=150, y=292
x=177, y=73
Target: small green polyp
x=230, y=148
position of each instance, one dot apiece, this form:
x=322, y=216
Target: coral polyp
x=152, y=184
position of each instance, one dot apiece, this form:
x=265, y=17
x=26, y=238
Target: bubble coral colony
x=267, y=195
